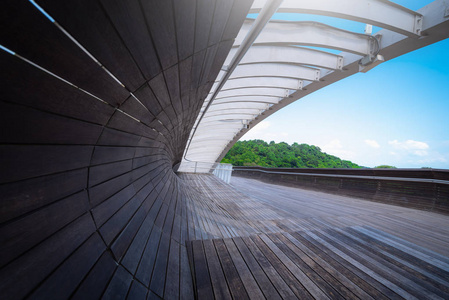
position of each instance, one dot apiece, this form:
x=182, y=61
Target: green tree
x=282, y=155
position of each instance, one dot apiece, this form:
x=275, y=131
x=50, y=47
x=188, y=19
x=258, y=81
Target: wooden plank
x=65, y=99
x=147, y=261
x=328, y=284
x=220, y=287
x=172, y=79
x=25, y=196
x=122, y=122
x=365, y=266
x=22, y=275
x=119, y=285
x=283, y=288
x=419, y=276
x=148, y=99
x=99, y=193
x=264, y=283
x=126, y=236
x=184, y=12
x=220, y=19
x=389, y=271
x=203, y=282
x=236, y=286
x=135, y=108
x=372, y=287
x=277, y=254
x=21, y=235
x=44, y=44
x=106, y=209
x=186, y=285
x=253, y=290
x=69, y=275
x=137, y=291
x=172, y=288
x=415, y=250
x=113, y=137
x=30, y=126
x=157, y=284
x=96, y=281
x=102, y=173
x=98, y=35
x=112, y=228
x=160, y=21
x=208, y=62
x=134, y=253
x=128, y=19
x=204, y=15
x=23, y=162
x=104, y=155
x=296, y=246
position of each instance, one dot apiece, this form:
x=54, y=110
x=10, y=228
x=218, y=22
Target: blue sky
x=395, y=114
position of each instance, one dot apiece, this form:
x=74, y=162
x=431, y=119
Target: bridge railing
x=426, y=189
x=222, y=171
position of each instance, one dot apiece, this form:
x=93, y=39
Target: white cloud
x=409, y=145
x=420, y=152
x=432, y=160
x=333, y=145
x=372, y=143
x=336, y=148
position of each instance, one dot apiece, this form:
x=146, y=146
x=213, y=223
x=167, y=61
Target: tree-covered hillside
x=282, y=155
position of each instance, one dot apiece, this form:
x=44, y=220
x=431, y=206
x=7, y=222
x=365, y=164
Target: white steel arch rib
x=384, y=14
x=280, y=67
x=290, y=55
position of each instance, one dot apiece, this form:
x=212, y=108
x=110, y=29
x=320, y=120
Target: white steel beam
x=291, y=55
x=249, y=110
x=230, y=116
x=279, y=82
x=312, y=34
x=277, y=70
x=238, y=106
x=258, y=99
x=381, y=13
x=252, y=91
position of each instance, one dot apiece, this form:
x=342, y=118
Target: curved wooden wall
x=90, y=206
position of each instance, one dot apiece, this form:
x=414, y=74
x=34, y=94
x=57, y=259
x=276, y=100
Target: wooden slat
x=353, y=285
x=69, y=275
x=233, y=279
x=220, y=287
x=128, y=19
x=50, y=95
x=41, y=160
x=119, y=284
x=332, y=288
x=96, y=281
x=203, y=283
x=25, y=196
x=265, y=284
x=21, y=235
x=44, y=44
x=251, y=287
x=22, y=275
x=97, y=34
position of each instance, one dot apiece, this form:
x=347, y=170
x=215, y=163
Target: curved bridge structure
x=101, y=99
x=272, y=64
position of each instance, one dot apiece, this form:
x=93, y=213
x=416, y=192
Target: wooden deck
x=266, y=241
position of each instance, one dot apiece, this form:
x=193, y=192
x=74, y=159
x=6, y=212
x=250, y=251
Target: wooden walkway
x=289, y=243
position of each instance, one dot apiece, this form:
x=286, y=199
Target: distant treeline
x=282, y=155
